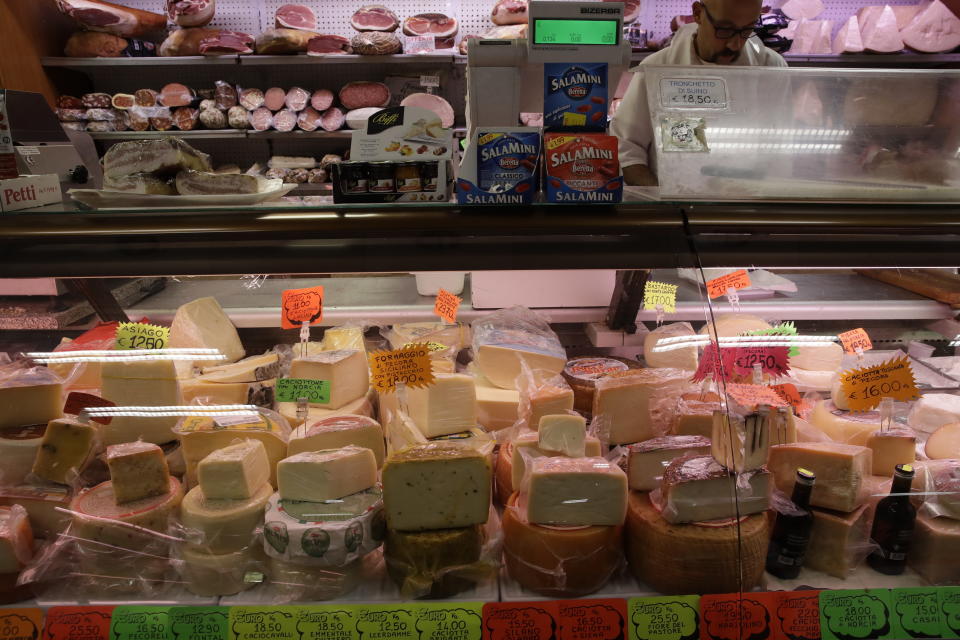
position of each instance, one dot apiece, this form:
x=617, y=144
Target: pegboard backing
x=238, y=15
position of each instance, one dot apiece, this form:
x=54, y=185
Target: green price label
x=396, y=622
x=135, y=335
x=916, y=613
x=199, y=623
x=859, y=614
x=948, y=600
x=140, y=623
x=292, y=389
x=459, y=621
x=666, y=618
x=326, y=623
x=263, y=623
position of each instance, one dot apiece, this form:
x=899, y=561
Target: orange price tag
x=855, y=339
x=789, y=393
x=736, y=280
x=752, y=395
x=527, y=620
x=866, y=386
x=731, y=616
x=301, y=305
x=410, y=365
x=446, y=306
x=798, y=614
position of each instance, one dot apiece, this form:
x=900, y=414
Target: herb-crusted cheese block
x=138, y=471
x=65, y=449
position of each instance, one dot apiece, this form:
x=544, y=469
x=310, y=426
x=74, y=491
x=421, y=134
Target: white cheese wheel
x=296, y=582
x=944, y=443
x=223, y=526
x=729, y=325
x=685, y=358
x=18, y=450
x=209, y=575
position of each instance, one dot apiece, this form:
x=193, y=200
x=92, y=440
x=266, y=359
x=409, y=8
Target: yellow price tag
x=135, y=335
x=660, y=293
x=865, y=387
x=410, y=365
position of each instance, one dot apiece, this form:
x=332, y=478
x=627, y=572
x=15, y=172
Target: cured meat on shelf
x=225, y=95
x=175, y=95
x=97, y=15
x=238, y=118
x=94, y=44
x=284, y=41
x=935, y=29
x=317, y=176
x=97, y=100
x=161, y=123
x=332, y=119
x=308, y=119
x=432, y=103
x=208, y=103
x=100, y=115
x=322, y=99
x=213, y=118
x=123, y=101
x=296, y=16
x=139, y=122
x=297, y=99
x=465, y=43
x=146, y=97
x=69, y=102
x=101, y=126
x=509, y=12
x=438, y=25
x=285, y=120
x=261, y=119
x=631, y=10
x=186, y=42
x=186, y=118
x=356, y=95
x=71, y=115
x=274, y=98
x=376, y=43
x=227, y=42
x=328, y=160
x=251, y=99
x=191, y=13
x=374, y=17
x=326, y=44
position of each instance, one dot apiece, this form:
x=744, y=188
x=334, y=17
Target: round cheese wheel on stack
x=944, y=443
x=218, y=575
x=559, y=562
x=503, y=473
x=225, y=526
x=98, y=518
x=324, y=534
x=295, y=582
x=693, y=558
x=434, y=564
x=582, y=375
x=729, y=325
x=18, y=450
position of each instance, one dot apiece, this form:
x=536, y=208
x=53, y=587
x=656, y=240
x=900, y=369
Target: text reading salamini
x=583, y=153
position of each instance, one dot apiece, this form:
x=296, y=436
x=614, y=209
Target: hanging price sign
x=855, y=340
x=301, y=305
x=136, y=335
x=865, y=387
x=446, y=306
x=736, y=281
x=410, y=365
x=660, y=293
x=772, y=360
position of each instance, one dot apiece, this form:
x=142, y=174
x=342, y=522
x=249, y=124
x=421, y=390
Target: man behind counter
x=722, y=34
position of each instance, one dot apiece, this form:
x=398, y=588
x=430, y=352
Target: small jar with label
x=429, y=175
x=382, y=177
x=408, y=177
x=353, y=176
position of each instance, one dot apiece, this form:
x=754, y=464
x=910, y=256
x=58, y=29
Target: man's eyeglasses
x=725, y=33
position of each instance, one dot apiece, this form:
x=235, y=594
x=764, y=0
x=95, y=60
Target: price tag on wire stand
x=855, y=342
x=773, y=361
x=866, y=386
x=410, y=365
x=660, y=296
x=446, y=306
x=301, y=305
x=720, y=286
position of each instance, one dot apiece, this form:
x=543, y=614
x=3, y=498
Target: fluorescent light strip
x=110, y=352
x=210, y=408
x=131, y=355
x=766, y=338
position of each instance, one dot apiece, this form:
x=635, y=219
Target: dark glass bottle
x=791, y=532
x=893, y=525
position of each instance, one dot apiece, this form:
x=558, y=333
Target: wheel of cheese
x=295, y=582
x=503, y=475
x=99, y=519
x=582, y=375
x=209, y=574
x=224, y=526
x=324, y=534
x=435, y=564
x=559, y=562
x=944, y=442
x=18, y=450
x=691, y=558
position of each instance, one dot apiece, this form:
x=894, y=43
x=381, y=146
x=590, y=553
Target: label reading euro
x=948, y=600
x=134, y=335
x=387, y=622
x=732, y=616
x=410, y=366
x=17, y=624
x=77, y=623
x=446, y=306
x=454, y=621
x=693, y=93
x=292, y=389
x=526, y=620
x=798, y=615
x=860, y=613
x=593, y=619
x=140, y=623
x=326, y=623
x=737, y=280
x=915, y=613
x=666, y=618
x=660, y=294
x=301, y=305
x=263, y=623
x=199, y=623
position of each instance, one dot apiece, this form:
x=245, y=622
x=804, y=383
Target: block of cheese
x=202, y=435
x=545, y=397
x=741, y=443
x=339, y=338
x=837, y=396
x=694, y=414
x=138, y=471
x=252, y=369
x=331, y=474
x=582, y=375
x=207, y=574
x=401, y=433
x=332, y=533
x=840, y=468
x=697, y=488
x=16, y=539
x=346, y=371
x=806, y=380
x=201, y=391
x=338, y=431
x=435, y=564
x=31, y=396
x=701, y=559
x=362, y=406
x=848, y=39
x=880, y=32
x=647, y=460
x=437, y=485
x=890, y=448
x=449, y=405
x=66, y=448
x=496, y=408
x=222, y=526
x=637, y=405
x=149, y=384
x=576, y=492
x=499, y=352
x=685, y=358
x=42, y=503
x=944, y=442
x=530, y=442
x=452, y=336
x=840, y=426
x=559, y=562
x=839, y=542
x=933, y=410
x=728, y=325
x=202, y=324
x=78, y=375
x=236, y=472
x=563, y=433
x=935, y=549
x=99, y=518
x=822, y=357
x=18, y=451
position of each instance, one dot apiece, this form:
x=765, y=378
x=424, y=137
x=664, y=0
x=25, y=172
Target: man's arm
x=639, y=175
x=631, y=125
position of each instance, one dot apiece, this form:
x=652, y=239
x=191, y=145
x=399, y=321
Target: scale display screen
x=550, y=31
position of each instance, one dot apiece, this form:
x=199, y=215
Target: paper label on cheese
x=798, y=614
x=732, y=616
x=752, y=395
x=446, y=306
x=665, y=618
x=660, y=293
x=410, y=365
x=593, y=619
x=527, y=620
x=857, y=613
x=855, y=339
x=20, y=623
x=233, y=421
x=292, y=389
x=136, y=335
x=736, y=280
x=199, y=623
x=773, y=361
x=140, y=623
x=915, y=613
x=193, y=424
x=264, y=623
x=301, y=305
x=594, y=368
x=67, y=623
x=865, y=387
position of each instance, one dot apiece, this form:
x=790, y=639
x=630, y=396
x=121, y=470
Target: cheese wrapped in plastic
x=696, y=488
x=637, y=405
x=29, y=396
x=506, y=338
x=841, y=471
x=685, y=358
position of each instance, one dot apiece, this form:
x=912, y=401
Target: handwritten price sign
x=736, y=280
x=718, y=364
x=660, y=293
x=752, y=395
x=447, y=306
x=410, y=365
x=865, y=387
x=772, y=360
x=301, y=305
x=855, y=339
x=136, y=335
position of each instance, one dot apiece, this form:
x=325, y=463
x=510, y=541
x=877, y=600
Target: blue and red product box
x=582, y=167
x=575, y=96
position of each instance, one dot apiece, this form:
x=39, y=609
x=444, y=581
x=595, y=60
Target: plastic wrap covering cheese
x=496, y=408
x=935, y=550
x=451, y=337
x=202, y=323
x=200, y=391
x=693, y=415
x=252, y=369
x=444, y=562
x=505, y=338
x=939, y=483
x=637, y=405
x=295, y=582
x=402, y=433
x=890, y=448
x=19, y=447
x=944, y=442
x=844, y=427
x=164, y=156
x=202, y=435
x=698, y=488
x=729, y=325
x=326, y=475
x=565, y=434
x=476, y=439
x=338, y=431
x=151, y=383
x=207, y=574
x=222, y=526
x=582, y=375
x=573, y=492
x=344, y=337
x=541, y=393
x=823, y=357
x=685, y=358
x=437, y=485
x=647, y=460
x=328, y=534
x=81, y=375
x=16, y=539
x=559, y=562
x=510, y=461
x=841, y=471
x=449, y=405
x=933, y=410
x=740, y=442
x=65, y=450
x=345, y=370
x=138, y=470
x=98, y=518
x=235, y=472
x=362, y=406
x=45, y=504
x=29, y=396
x=839, y=542
x=693, y=558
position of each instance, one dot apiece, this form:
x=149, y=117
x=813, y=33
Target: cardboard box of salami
x=27, y=192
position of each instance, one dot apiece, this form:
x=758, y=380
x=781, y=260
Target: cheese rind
x=890, y=448
x=530, y=442
x=97, y=516
x=933, y=410
x=697, y=488
x=138, y=471
x=551, y=397
x=223, y=526
x=944, y=443
x=151, y=383
x=236, y=472
x=694, y=414
x=316, y=476
x=838, y=541
x=33, y=396
x=685, y=358
x=576, y=492
x=346, y=371
x=202, y=323
x=42, y=503
x=252, y=369
x=435, y=564
x=362, y=406
x=647, y=460
x=339, y=431
x=935, y=549
x=209, y=575
x=565, y=433
x=449, y=405
x=65, y=449
x=840, y=470
x=636, y=405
